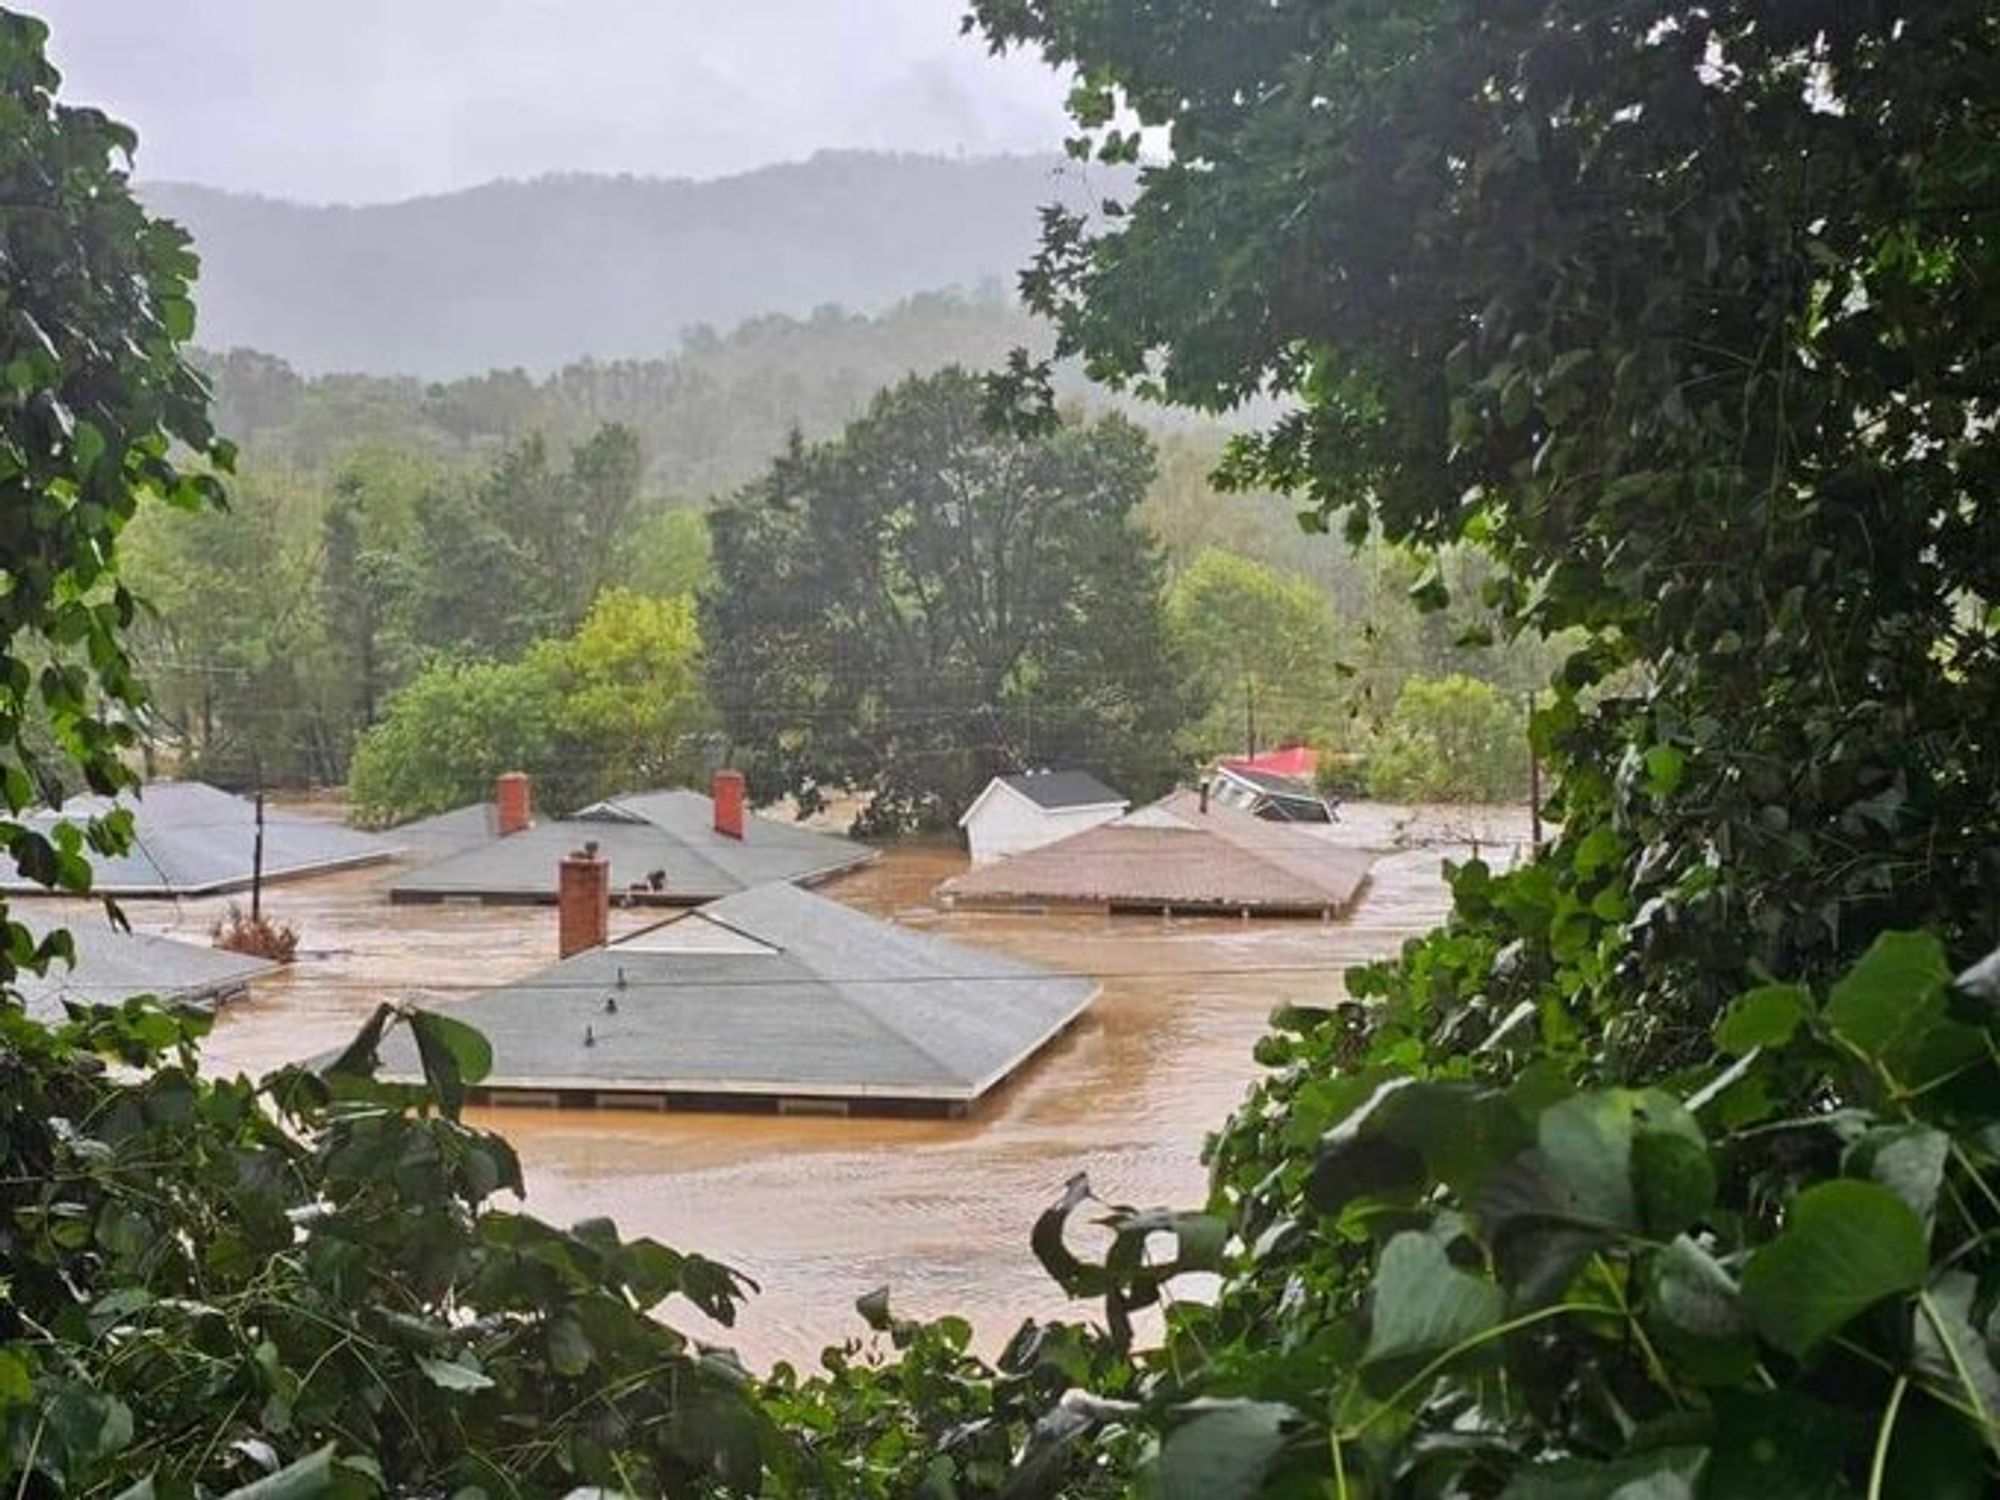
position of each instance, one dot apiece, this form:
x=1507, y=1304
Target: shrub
x=1449, y=739
x=260, y=936
x=1459, y=1273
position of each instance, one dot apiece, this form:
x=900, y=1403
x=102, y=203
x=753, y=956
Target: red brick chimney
x=726, y=791
x=583, y=901
x=513, y=802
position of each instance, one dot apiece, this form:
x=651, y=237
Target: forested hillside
x=443, y=544
x=709, y=415
x=534, y=274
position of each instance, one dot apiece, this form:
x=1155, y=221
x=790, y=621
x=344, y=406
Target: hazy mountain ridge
x=710, y=415
x=540, y=273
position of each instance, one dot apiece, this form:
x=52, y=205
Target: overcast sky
x=364, y=100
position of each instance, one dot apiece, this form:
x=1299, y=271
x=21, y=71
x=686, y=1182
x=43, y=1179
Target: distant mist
x=540, y=273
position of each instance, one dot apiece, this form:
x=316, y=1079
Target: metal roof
x=1172, y=855
x=670, y=833
x=1301, y=761
x=1062, y=789
x=771, y=992
x=1289, y=798
x=112, y=966
x=191, y=839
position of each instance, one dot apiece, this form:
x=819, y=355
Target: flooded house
x=664, y=848
x=1272, y=795
x=1014, y=814
x=112, y=965
x=1187, y=853
x=772, y=999
x=192, y=839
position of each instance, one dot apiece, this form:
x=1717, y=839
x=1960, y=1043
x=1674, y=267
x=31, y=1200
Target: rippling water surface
x=821, y=1210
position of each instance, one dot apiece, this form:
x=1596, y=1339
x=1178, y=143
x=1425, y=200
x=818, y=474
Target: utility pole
x=1249, y=716
x=257, y=857
x=1534, y=785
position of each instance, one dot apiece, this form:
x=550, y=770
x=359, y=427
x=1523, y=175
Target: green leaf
x=1952, y=1347
x=301, y=1479
x=1224, y=1453
x=1763, y=1017
x=1675, y=1180
x=1897, y=985
x=1845, y=1247
x=17, y=1380
x=569, y=1348
x=450, y=1375
x=1665, y=766
x=1909, y=1160
x=453, y=1055
x=1422, y=1306
x=1665, y=1474
x=1776, y=1445
x=1697, y=1315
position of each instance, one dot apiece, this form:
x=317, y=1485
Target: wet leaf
x=1845, y=1247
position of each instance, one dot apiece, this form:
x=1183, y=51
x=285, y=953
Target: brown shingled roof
x=1171, y=854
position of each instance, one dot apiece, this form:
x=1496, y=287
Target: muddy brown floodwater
x=819, y=1211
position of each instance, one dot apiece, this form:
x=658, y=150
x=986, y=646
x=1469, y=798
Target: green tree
x=1681, y=313
x=363, y=594
x=1263, y=651
x=1678, y=315
x=617, y=707
x=668, y=554
x=448, y=732
x=94, y=398
x=1449, y=739
x=927, y=601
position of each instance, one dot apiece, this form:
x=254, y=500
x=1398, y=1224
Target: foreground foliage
x=304, y=1282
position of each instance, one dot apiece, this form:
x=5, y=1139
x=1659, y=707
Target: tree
x=1449, y=739
x=927, y=601
x=94, y=398
x=618, y=707
x=668, y=554
x=299, y=1286
x=1677, y=313
x=364, y=591
x=1263, y=651
x=1682, y=313
x=521, y=553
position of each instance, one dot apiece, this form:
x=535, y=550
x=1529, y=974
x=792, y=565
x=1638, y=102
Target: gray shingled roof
x=190, y=839
x=773, y=992
x=1173, y=855
x=1060, y=789
x=112, y=966
x=671, y=832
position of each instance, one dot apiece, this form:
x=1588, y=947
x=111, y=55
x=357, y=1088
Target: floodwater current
x=821, y=1210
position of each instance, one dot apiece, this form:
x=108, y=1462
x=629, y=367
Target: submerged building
x=1014, y=814
x=112, y=966
x=1184, y=853
x=664, y=848
x=191, y=839
x=771, y=999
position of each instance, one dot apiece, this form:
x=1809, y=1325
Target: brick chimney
x=727, y=792
x=583, y=901
x=513, y=802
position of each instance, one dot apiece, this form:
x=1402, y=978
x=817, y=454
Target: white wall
x=1007, y=823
